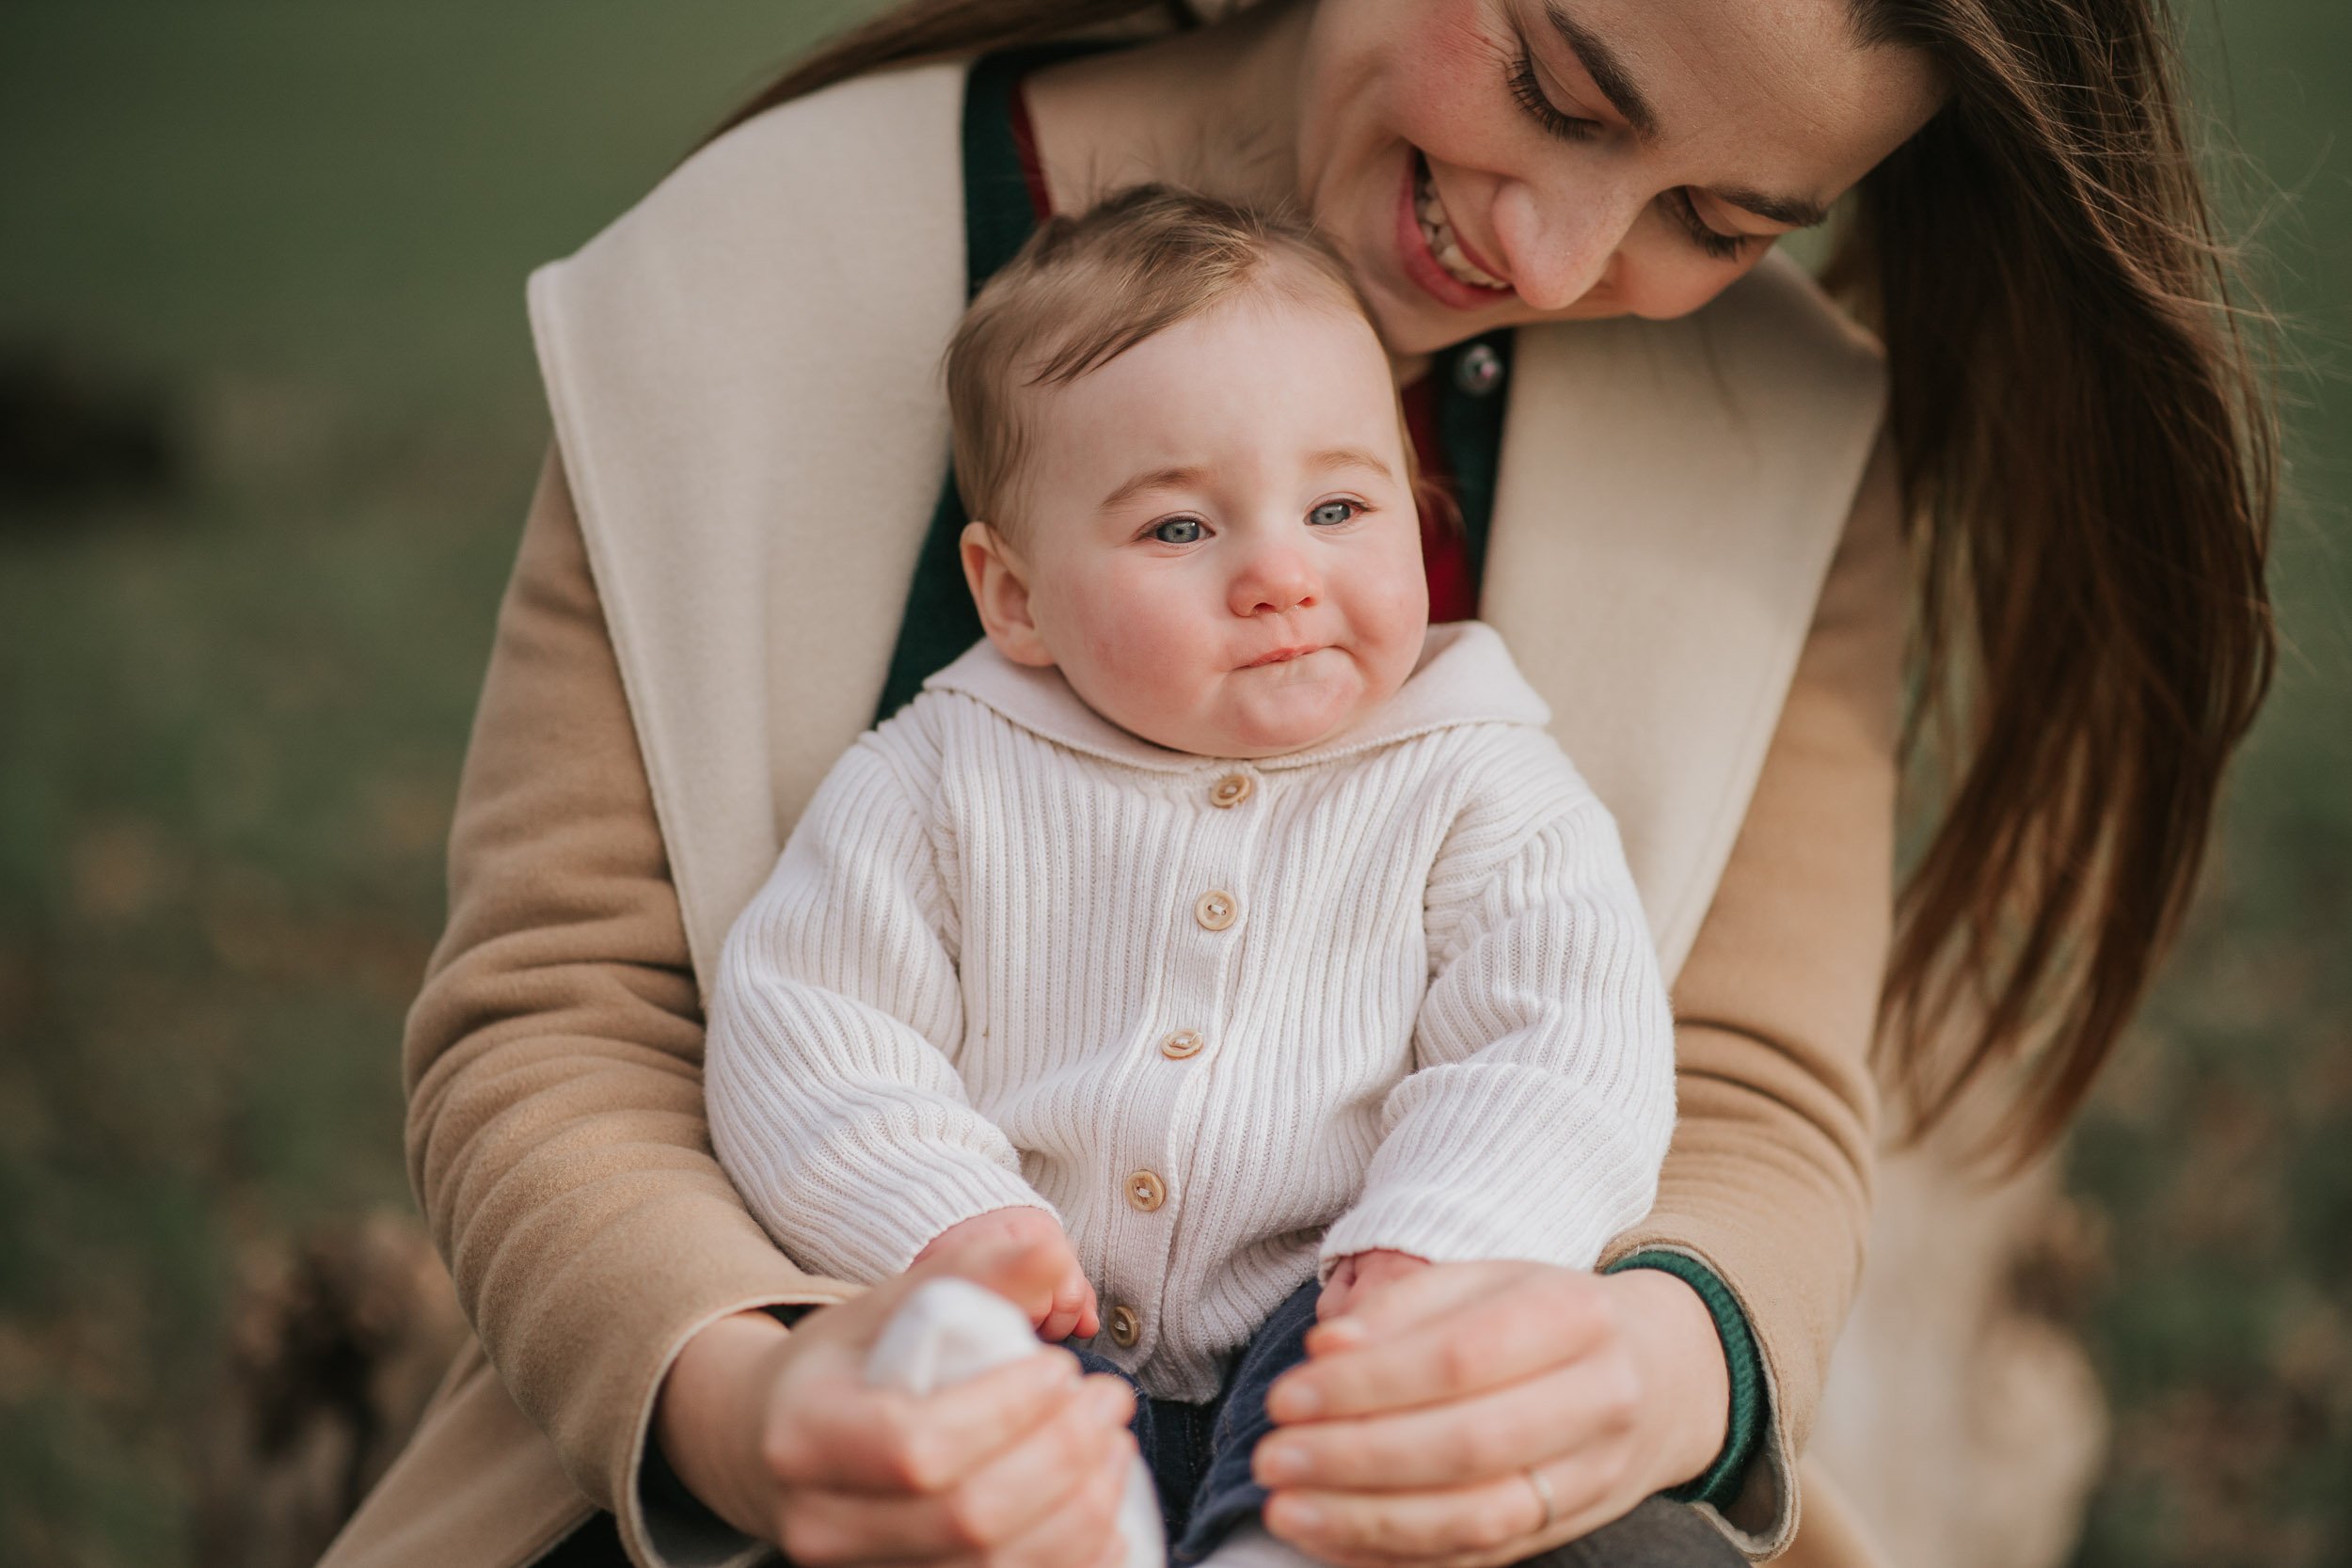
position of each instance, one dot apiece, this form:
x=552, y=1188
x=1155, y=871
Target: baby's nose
x=1273, y=581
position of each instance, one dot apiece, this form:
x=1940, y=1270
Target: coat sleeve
x=553, y=1061
x=1767, y=1181
x=833, y=1094
x=1544, y=1042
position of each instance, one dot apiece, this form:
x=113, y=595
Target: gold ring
x=1543, y=1495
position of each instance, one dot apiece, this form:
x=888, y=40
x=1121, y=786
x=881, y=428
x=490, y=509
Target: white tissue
x=952, y=1329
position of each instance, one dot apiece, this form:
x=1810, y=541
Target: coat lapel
x=744, y=379
x=1670, y=497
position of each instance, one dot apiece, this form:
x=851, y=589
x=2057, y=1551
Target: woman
x=2072, y=423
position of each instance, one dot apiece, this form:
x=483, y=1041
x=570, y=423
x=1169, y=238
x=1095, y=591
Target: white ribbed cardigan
x=1435, y=1022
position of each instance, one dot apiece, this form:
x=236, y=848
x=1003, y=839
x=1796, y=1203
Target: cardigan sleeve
x=1767, y=1184
x=553, y=1064
x=1544, y=1041
x=829, y=1080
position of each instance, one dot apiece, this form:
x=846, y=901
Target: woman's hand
x=1067, y=1305
x=1407, y=1435
x=777, y=1431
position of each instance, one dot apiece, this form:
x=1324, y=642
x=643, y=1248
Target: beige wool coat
x=1695, y=558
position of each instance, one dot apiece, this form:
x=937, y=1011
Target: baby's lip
x=1283, y=656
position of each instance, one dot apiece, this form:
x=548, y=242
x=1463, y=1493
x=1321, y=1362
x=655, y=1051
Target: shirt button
x=1215, y=910
x=1146, y=1191
x=1126, y=1327
x=1479, y=371
x=1230, y=790
x=1183, y=1043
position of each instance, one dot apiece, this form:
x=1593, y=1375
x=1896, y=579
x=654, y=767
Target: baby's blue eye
x=1178, y=531
x=1333, y=512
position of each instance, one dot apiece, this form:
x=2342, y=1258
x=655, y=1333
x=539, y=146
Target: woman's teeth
x=1439, y=233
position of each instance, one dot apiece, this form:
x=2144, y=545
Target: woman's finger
x=1408, y=1527
x=854, y=1438
x=1499, y=1432
x=998, y=1502
x=1505, y=1336
x=1440, y=1290
x=1500, y=1520
x=1084, y=1531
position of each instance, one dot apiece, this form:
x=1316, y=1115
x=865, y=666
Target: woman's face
x=1488, y=163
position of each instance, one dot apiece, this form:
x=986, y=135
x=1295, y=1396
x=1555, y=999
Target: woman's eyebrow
x=1602, y=64
x=1606, y=69
x=1794, y=211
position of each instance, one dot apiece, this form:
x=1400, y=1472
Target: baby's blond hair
x=1084, y=290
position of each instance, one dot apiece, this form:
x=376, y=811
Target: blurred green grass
x=231, y=715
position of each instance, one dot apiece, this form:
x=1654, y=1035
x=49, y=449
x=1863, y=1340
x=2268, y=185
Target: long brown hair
x=2089, y=455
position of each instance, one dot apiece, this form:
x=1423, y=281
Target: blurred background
x=268, y=423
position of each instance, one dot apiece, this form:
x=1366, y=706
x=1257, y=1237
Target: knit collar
x=1465, y=676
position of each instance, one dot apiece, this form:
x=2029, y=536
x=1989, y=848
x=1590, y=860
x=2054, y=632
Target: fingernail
x=1298, y=1401
x=1297, y=1516
x=1277, y=1463
x=1340, y=1333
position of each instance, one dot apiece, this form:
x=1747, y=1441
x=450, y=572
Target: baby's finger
x=1493, y=1343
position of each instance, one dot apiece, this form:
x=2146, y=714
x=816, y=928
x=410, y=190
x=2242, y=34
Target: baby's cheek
x=1142, y=663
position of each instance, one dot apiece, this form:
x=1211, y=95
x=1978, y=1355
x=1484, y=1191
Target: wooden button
x=1182, y=1044
x=1215, y=910
x=1126, y=1327
x=1230, y=790
x=1146, y=1191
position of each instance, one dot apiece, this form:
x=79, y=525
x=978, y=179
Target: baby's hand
x=1358, y=1275
x=1069, y=1308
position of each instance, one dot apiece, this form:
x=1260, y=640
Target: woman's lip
x=1476, y=259
x=1422, y=266
x=1283, y=656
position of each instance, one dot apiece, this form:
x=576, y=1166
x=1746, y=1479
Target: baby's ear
x=999, y=580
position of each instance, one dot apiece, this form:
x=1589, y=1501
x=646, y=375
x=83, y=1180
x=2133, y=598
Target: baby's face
x=1218, y=543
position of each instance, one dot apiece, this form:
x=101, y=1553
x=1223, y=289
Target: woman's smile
x=1431, y=252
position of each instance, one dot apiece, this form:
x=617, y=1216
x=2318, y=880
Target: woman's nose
x=1274, y=579
x=1561, y=244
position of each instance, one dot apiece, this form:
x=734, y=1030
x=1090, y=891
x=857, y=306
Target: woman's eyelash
x=1529, y=93
x=1722, y=246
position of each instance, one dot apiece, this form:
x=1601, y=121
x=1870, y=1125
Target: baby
x=1216, y=916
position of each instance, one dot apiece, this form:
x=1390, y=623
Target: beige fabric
x=556, y=1134
x=755, y=430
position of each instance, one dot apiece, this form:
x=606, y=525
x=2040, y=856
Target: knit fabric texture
x=1224, y=1019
